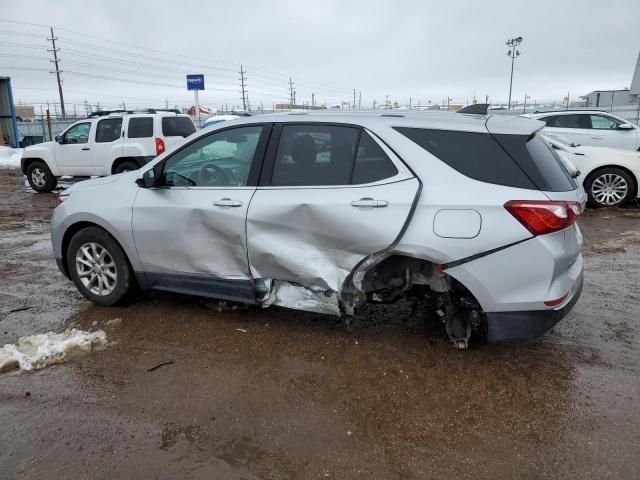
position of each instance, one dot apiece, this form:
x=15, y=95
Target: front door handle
x=597, y=137
x=368, y=202
x=86, y=148
x=227, y=202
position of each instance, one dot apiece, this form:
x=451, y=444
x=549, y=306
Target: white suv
x=591, y=127
x=105, y=144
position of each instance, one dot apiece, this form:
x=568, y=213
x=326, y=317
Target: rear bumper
x=525, y=325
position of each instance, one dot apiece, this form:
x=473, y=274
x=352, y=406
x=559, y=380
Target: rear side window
x=476, y=155
x=539, y=161
x=141, y=127
x=108, y=130
x=372, y=164
x=314, y=155
x=177, y=127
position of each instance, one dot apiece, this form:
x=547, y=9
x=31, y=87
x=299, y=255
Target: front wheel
x=610, y=187
x=98, y=266
x=40, y=177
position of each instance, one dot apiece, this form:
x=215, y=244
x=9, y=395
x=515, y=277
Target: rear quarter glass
x=476, y=155
x=539, y=162
x=177, y=127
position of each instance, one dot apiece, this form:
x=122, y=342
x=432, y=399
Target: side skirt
x=233, y=290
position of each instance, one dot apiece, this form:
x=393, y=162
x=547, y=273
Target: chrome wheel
x=609, y=189
x=96, y=269
x=38, y=177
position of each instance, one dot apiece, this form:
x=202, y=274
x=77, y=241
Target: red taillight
x=540, y=216
x=556, y=302
x=159, y=146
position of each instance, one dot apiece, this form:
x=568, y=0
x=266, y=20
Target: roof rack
x=104, y=113
x=156, y=110
x=561, y=110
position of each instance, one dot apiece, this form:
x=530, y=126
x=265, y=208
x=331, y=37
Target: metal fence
x=37, y=131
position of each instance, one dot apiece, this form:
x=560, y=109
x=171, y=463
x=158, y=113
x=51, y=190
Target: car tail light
x=159, y=146
x=556, y=302
x=541, y=217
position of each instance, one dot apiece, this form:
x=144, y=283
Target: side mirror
x=147, y=180
x=625, y=126
x=58, y=139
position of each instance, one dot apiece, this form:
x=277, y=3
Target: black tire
x=40, y=177
x=123, y=282
x=610, y=177
x=126, y=167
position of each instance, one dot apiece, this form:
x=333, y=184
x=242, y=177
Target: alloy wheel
x=38, y=177
x=96, y=269
x=609, y=189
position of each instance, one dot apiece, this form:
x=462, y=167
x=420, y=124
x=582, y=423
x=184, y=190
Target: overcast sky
x=426, y=50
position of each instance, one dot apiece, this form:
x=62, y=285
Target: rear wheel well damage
x=423, y=282
x=386, y=279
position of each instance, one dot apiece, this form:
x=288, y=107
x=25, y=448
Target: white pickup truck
x=104, y=144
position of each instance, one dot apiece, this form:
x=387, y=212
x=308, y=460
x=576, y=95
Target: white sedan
x=609, y=175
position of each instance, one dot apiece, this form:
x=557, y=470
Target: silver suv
x=471, y=215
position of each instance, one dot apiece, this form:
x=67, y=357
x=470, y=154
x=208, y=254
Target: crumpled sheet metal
x=315, y=237
x=289, y=295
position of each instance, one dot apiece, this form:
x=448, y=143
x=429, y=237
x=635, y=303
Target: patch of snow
x=10, y=157
x=34, y=352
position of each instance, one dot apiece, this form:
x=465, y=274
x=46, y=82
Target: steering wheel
x=212, y=173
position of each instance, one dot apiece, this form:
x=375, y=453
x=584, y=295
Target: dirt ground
x=279, y=394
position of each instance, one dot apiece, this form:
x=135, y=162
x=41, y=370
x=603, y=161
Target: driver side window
x=77, y=134
x=221, y=159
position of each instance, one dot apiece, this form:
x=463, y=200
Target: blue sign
x=195, y=82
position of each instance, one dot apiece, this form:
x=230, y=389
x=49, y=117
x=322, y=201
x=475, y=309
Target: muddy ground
x=278, y=394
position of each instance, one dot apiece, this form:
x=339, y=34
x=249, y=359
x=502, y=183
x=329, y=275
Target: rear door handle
x=86, y=148
x=368, y=202
x=227, y=202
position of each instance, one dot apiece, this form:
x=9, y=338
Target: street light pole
x=513, y=53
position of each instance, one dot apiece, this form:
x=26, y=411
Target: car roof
x=436, y=120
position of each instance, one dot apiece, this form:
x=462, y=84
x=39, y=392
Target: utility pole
x=313, y=100
x=87, y=108
x=56, y=60
x=291, y=94
x=166, y=103
x=354, y=98
x=386, y=101
x=243, y=86
x=512, y=53
x=359, y=100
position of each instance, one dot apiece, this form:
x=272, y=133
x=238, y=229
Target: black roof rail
x=102, y=113
x=475, y=109
x=561, y=110
x=156, y=110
